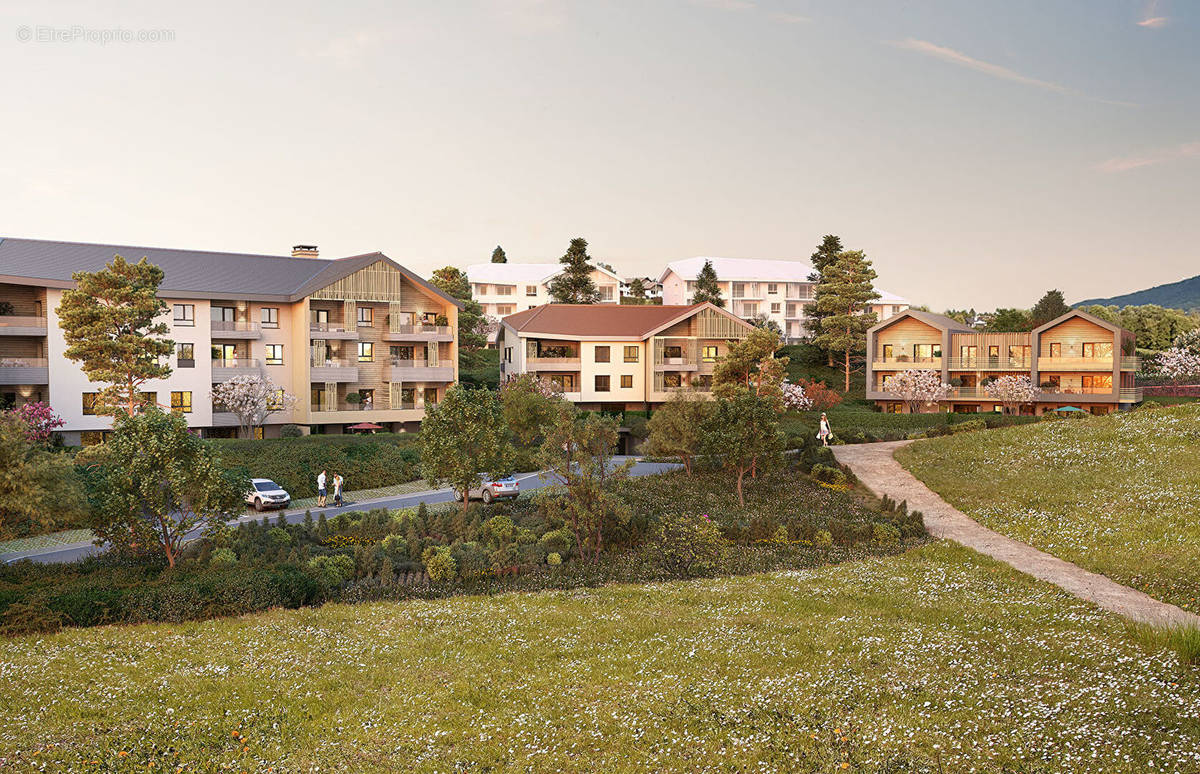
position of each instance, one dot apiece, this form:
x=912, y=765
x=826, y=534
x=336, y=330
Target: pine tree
x=454, y=282
x=844, y=298
x=108, y=321
x=637, y=292
x=574, y=285
x=498, y=255
x=1050, y=307
x=825, y=254
x=707, y=288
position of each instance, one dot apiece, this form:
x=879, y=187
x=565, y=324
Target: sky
x=979, y=153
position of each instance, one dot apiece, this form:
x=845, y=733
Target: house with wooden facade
x=1076, y=360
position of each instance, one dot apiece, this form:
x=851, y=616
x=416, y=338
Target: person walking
x=321, y=490
x=824, y=433
x=337, y=490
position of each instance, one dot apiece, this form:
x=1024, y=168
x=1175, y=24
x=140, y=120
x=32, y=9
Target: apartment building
x=751, y=287
x=358, y=339
x=614, y=357
x=1077, y=360
x=652, y=287
x=507, y=288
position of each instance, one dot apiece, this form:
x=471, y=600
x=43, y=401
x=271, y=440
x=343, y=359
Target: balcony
x=403, y=332
x=357, y=412
x=904, y=363
x=236, y=329
x=552, y=363
x=16, y=325
x=678, y=364
x=1130, y=394
x=224, y=369
x=24, y=370
x=990, y=363
x=419, y=371
x=332, y=331
x=333, y=369
x=1087, y=364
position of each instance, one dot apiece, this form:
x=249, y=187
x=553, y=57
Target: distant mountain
x=1184, y=295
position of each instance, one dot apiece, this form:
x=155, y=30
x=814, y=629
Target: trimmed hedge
x=365, y=461
x=863, y=426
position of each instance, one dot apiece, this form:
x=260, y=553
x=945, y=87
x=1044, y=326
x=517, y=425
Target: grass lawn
x=1119, y=495
x=934, y=660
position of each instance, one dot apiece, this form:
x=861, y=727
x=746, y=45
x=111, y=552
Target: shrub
x=332, y=570
x=639, y=426
x=823, y=539
x=969, y=426
x=885, y=536
x=222, y=557
x=366, y=461
x=395, y=547
x=558, y=541
x=819, y=393
x=439, y=564
x=686, y=546
x=470, y=559
x=553, y=559
x=500, y=528
x=829, y=475
x=279, y=536
x=291, y=431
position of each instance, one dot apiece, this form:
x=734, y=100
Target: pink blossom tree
x=1179, y=363
x=917, y=388
x=251, y=398
x=1012, y=391
x=39, y=420
x=794, y=398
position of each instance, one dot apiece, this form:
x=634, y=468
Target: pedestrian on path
x=824, y=432
x=321, y=490
x=337, y=490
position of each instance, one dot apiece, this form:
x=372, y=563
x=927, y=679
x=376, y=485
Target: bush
x=829, y=475
x=553, y=559
x=395, y=547
x=279, y=536
x=332, y=570
x=222, y=557
x=823, y=539
x=558, y=541
x=885, y=536
x=969, y=426
x=440, y=564
x=686, y=546
x=291, y=431
x=366, y=461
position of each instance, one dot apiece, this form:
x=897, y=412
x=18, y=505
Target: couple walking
x=322, y=491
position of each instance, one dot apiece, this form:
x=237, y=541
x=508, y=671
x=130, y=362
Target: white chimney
x=304, y=251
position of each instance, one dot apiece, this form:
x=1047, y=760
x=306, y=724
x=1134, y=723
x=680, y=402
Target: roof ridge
x=166, y=249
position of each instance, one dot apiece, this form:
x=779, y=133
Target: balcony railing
x=553, y=363
x=235, y=326
x=332, y=362
x=22, y=325
x=24, y=370
x=990, y=363
x=1128, y=363
x=236, y=362
x=419, y=329
x=363, y=407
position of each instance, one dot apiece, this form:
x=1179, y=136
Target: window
x=481, y=289
x=710, y=353
x=606, y=292
x=968, y=353
x=270, y=317
x=505, y=309
x=888, y=351
x=366, y=316
x=772, y=288
x=1018, y=354
x=691, y=287
x=89, y=403
x=402, y=353
x=366, y=399
x=926, y=351
x=993, y=352
x=321, y=318
x=564, y=382
x=185, y=355
x=602, y=383
x=508, y=354
x=1055, y=349
x=1097, y=383
x=366, y=352
x=185, y=315
x=626, y=381
x=631, y=353
x=602, y=354
x=505, y=290
x=223, y=313
x=1098, y=349
x=775, y=308
x=182, y=402
x=672, y=380
x=275, y=400
x=274, y=354
x=531, y=290
x=431, y=396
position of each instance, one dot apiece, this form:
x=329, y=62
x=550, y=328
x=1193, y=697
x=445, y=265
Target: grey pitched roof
x=939, y=321
x=188, y=273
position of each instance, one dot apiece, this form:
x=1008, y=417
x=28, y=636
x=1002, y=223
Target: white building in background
x=507, y=288
x=653, y=287
x=751, y=287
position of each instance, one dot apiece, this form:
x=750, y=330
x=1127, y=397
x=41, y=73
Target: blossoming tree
x=794, y=397
x=39, y=421
x=1012, y=391
x=251, y=399
x=917, y=388
x=1179, y=363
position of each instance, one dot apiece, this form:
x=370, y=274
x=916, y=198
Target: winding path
x=878, y=470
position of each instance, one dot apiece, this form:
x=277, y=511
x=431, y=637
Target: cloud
x=994, y=70
x=1187, y=150
x=1154, y=22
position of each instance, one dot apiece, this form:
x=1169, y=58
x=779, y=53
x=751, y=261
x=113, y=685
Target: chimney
x=304, y=251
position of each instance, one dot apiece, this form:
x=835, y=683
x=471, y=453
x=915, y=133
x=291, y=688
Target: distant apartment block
x=359, y=339
x=751, y=287
x=507, y=288
x=1077, y=360
x=652, y=287
x=610, y=357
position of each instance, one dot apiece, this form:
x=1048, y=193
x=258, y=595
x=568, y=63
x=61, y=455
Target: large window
x=606, y=292
x=275, y=400
x=224, y=313
x=185, y=315
x=631, y=353
x=431, y=396
x=89, y=403
x=1055, y=349
x=672, y=380
x=505, y=290
x=772, y=288
x=185, y=355
x=366, y=316
x=672, y=351
x=1097, y=383
x=274, y=354
x=1099, y=350
x=602, y=383
x=270, y=317
x=926, y=351
x=402, y=352
x=366, y=352
x=888, y=351
x=602, y=354
x=181, y=401
x=710, y=353
x=626, y=381
x=1018, y=354
x=968, y=353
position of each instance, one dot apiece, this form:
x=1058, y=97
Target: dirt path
x=878, y=470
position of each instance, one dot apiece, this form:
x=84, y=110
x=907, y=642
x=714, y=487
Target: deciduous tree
x=843, y=299
x=1012, y=391
x=677, y=427
x=743, y=433
x=530, y=405
x=708, y=287
x=251, y=398
x=917, y=388
x=463, y=439
x=39, y=488
x=573, y=285
x=751, y=363
x=471, y=324
x=109, y=323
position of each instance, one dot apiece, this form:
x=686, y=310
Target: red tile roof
x=616, y=320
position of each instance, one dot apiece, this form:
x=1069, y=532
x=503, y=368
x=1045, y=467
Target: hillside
x=1184, y=295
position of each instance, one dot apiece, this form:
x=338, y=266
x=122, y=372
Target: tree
x=1050, y=307
x=251, y=398
x=767, y=324
x=794, y=397
x=1154, y=326
x=677, y=427
x=39, y=488
x=573, y=285
x=743, y=432
x=498, y=255
x=707, y=287
x=578, y=452
x=1011, y=391
x=843, y=300
x=1010, y=321
x=159, y=483
x=637, y=291
x=39, y=419
x=823, y=257
x=530, y=404
x=1178, y=364
x=751, y=363
x=108, y=321
x=917, y=388
x=471, y=324
x=463, y=439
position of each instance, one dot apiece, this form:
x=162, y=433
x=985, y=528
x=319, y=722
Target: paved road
x=529, y=482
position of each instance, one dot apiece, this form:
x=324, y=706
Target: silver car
x=492, y=489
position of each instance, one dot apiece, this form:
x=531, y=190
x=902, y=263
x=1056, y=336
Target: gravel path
x=878, y=470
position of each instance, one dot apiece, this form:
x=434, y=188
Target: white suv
x=265, y=493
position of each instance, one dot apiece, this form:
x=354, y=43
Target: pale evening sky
x=979, y=153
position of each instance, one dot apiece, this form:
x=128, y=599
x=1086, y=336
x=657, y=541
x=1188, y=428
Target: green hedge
x=851, y=425
x=365, y=461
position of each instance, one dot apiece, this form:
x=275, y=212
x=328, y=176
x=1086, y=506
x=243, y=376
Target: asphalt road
x=528, y=481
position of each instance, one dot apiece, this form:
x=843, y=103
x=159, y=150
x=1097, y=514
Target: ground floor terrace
x=973, y=406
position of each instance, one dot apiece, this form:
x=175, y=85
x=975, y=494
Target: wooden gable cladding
x=707, y=324
x=902, y=334
x=378, y=282
x=1072, y=334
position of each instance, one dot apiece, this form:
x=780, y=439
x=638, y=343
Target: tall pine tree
x=574, y=285
x=825, y=254
x=498, y=255
x=1051, y=306
x=707, y=287
x=453, y=282
x=844, y=298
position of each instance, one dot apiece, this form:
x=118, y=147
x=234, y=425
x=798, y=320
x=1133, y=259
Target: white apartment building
x=752, y=287
x=359, y=339
x=507, y=288
x=653, y=287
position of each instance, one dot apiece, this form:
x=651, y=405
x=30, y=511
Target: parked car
x=265, y=493
x=498, y=488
